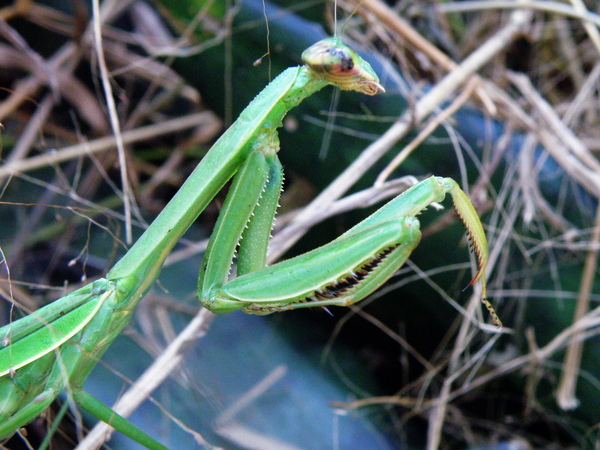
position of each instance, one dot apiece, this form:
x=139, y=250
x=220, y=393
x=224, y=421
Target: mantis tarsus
x=57, y=346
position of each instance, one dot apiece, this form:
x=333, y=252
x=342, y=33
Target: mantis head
x=332, y=60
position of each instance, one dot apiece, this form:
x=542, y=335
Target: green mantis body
x=56, y=347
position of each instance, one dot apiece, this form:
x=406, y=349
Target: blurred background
x=503, y=100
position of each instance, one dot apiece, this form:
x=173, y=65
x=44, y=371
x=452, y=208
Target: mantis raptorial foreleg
x=349, y=268
x=57, y=346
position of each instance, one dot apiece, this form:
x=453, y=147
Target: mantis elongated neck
x=263, y=115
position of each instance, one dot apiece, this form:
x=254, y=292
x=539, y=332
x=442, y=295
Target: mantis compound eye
x=332, y=60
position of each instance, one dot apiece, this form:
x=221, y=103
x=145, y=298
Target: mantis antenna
x=268, y=52
x=335, y=21
x=335, y=18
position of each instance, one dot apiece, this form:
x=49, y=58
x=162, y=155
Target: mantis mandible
x=56, y=347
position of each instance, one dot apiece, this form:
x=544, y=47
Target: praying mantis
x=56, y=347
